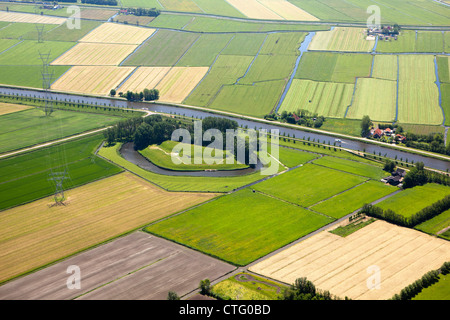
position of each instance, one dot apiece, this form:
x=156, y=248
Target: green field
x=7, y=43
x=181, y=183
x=25, y=31
x=163, y=49
x=25, y=178
x=353, y=199
x=429, y=41
x=445, y=92
x=437, y=291
x=324, y=98
x=226, y=70
x=385, y=67
x=62, y=33
x=436, y=224
x=447, y=42
x=240, y=227
x=345, y=126
x=410, y=201
x=342, y=39
x=292, y=157
x=417, y=12
x=28, y=76
x=269, y=67
x=30, y=127
x=443, y=69
x=141, y=3
x=204, y=50
x=170, y=21
x=256, y=100
x=27, y=52
x=283, y=43
x=406, y=42
x=417, y=68
x=160, y=155
x=309, y=184
x=376, y=98
x=218, y=7
x=245, y=44
x=362, y=169
x=333, y=67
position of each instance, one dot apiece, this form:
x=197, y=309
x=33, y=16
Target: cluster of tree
x=303, y=289
x=153, y=12
x=101, y=2
x=423, y=215
x=417, y=286
x=433, y=142
x=389, y=166
x=366, y=124
x=390, y=30
x=301, y=117
x=418, y=176
x=146, y=95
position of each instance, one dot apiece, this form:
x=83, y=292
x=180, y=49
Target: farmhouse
x=378, y=133
x=396, y=177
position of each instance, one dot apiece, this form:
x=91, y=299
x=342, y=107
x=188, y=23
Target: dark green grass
x=163, y=49
x=240, y=227
x=350, y=228
x=26, y=177
x=437, y=291
x=62, y=33
x=445, y=94
x=345, y=126
x=309, y=184
x=25, y=31
x=436, y=224
x=30, y=127
x=443, y=70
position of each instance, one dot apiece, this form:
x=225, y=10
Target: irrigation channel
x=244, y=122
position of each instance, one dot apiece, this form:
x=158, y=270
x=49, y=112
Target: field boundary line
x=139, y=46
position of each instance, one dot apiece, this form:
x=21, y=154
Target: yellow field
x=100, y=54
x=287, y=10
x=118, y=33
x=144, y=78
x=29, y=18
x=342, y=39
x=35, y=234
x=179, y=82
x=254, y=9
x=92, y=79
x=346, y=266
x=6, y=108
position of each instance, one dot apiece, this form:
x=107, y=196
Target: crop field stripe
x=254, y=58
x=138, y=47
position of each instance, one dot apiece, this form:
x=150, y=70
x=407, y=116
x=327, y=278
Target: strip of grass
x=309, y=184
x=240, y=227
x=445, y=95
x=28, y=76
x=346, y=126
x=181, y=183
x=436, y=224
x=443, y=69
x=353, y=199
x=26, y=177
x=370, y=171
x=350, y=228
x=410, y=201
x=30, y=127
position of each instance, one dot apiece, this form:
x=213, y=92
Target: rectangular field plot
x=385, y=67
x=269, y=67
x=240, y=227
x=245, y=44
x=333, y=67
x=153, y=267
x=325, y=98
x=164, y=49
x=179, y=82
x=29, y=18
x=62, y=33
x=92, y=79
x=342, y=39
x=406, y=42
x=27, y=52
x=144, y=78
x=122, y=203
x=6, y=108
x=180, y=5
x=306, y=185
x=358, y=168
x=443, y=68
x=445, y=91
x=412, y=200
x=118, y=33
x=100, y=54
x=375, y=98
x=417, y=68
x=26, y=31
x=418, y=102
x=255, y=100
x=204, y=50
x=436, y=225
x=341, y=265
x=353, y=199
x=219, y=7
x=429, y=41
x=254, y=9
x=28, y=76
x=225, y=71
x=283, y=43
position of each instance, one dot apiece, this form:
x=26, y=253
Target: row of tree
x=153, y=12
x=418, y=176
x=303, y=289
x=101, y=2
x=300, y=117
x=417, y=286
x=146, y=95
x=422, y=215
x=433, y=142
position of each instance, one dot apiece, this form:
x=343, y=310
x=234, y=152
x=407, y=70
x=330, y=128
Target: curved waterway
x=439, y=164
x=128, y=153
